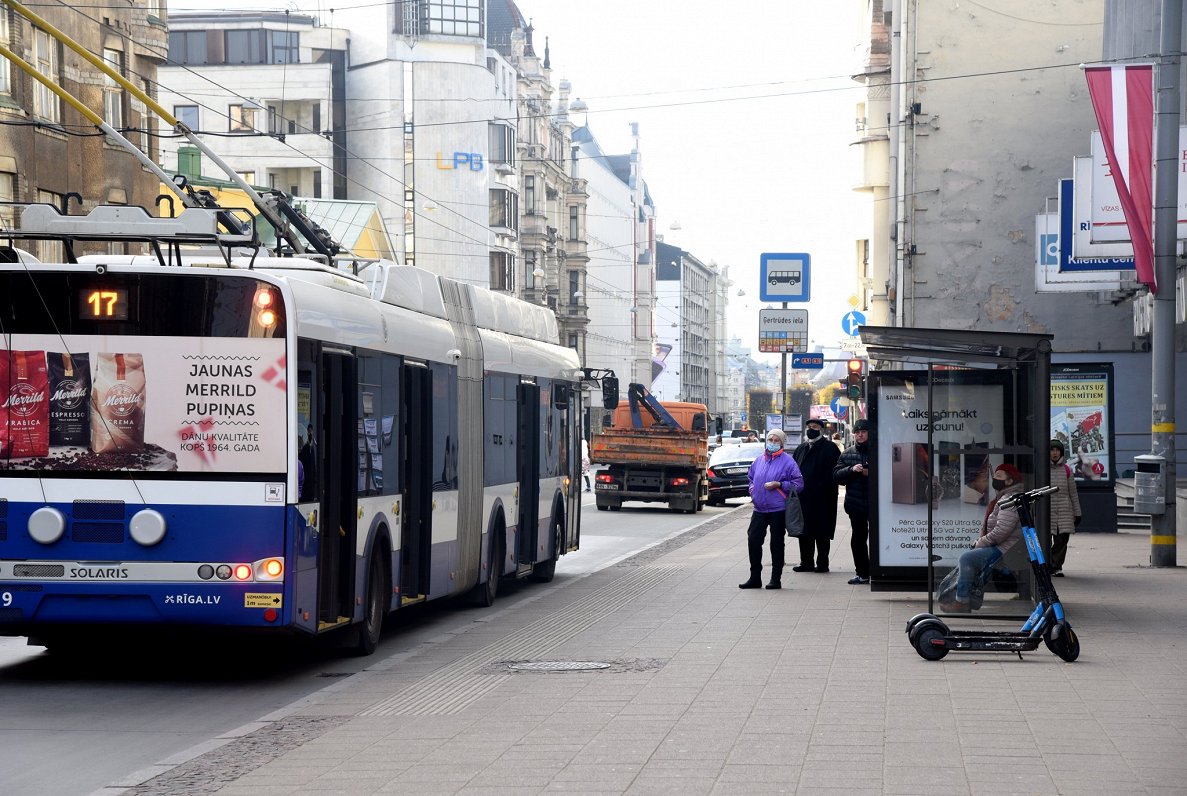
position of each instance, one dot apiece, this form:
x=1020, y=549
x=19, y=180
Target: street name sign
x=782, y=331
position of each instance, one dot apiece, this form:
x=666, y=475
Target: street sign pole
x=786, y=404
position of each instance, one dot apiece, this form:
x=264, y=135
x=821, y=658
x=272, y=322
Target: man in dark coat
x=853, y=472
x=817, y=457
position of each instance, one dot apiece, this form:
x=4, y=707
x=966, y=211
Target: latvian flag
x=1123, y=98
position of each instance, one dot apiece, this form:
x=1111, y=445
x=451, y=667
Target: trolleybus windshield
x=160, y=373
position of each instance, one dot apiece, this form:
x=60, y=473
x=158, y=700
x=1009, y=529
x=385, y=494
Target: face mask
x=812, y=433
x=774, y=446
x=999, y=483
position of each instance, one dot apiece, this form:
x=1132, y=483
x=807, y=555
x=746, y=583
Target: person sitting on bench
x=1000, y=531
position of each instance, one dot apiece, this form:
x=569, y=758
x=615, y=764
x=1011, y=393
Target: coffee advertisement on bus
x=142, y=403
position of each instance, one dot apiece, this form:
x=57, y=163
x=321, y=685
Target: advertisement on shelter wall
x=951, y=478
x=132, y=403
x=1080, y=415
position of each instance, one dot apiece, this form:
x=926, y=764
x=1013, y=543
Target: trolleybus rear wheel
x=376, y=604
x=544, y=571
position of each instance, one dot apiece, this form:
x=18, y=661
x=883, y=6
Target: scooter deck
x=993, y=642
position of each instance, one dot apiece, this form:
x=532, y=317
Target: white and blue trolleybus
x=207, y=438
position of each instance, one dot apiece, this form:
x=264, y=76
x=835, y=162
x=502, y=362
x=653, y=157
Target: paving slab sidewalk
x=708, y=689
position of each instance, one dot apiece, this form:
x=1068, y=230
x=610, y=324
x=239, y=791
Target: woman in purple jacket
x=772, y=477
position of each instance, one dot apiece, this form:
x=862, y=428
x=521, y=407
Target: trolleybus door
x=339, y=485
x=416, y=518
x=527, y=473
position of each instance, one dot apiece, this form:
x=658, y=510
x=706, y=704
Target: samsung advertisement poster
x=941, y=483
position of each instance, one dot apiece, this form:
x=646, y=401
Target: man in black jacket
x=817, y=456
x=853, y=472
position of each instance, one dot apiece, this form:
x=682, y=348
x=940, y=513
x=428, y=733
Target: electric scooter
x=1047, y=623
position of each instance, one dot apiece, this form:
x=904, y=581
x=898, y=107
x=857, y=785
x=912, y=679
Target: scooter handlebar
x=1028, y=497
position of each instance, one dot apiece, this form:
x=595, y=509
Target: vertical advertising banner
x=1080, y=415
x=946, y=485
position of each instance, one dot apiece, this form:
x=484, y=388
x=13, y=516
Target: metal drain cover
x=557, y=666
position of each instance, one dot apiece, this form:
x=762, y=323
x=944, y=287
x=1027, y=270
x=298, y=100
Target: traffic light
x=855, y=379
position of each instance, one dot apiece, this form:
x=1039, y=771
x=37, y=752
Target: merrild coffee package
x=24, y=414
x=69, y=399
x=117, y=403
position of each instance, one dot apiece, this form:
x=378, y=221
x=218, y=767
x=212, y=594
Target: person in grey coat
x=1065, y=507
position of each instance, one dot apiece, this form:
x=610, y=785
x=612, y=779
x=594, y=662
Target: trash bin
x=1149, y=485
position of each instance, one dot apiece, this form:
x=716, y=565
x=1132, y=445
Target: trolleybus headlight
x=269, y=569
x=242, y=572
x=46, y=525
x=147, y=527
x=223, y=572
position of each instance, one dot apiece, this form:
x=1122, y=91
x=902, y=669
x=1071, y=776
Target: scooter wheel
x=922, y=638
x=1063, y=641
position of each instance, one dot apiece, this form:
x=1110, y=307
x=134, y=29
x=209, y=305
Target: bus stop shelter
x=946, y=408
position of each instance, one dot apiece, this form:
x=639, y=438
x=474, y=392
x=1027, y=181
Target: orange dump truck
x=653, y=452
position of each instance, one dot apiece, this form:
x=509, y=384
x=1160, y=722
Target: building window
x=575, y=294
x=113, y=93
x=502, y=273
x=7, y=194
x=245, y=46
x=317, y=118
x=284, y=47
x=5, y=79
x=317, y=183
x=529, y=194
x=574, y=226
x=529, y=269
x=45, y=57
x=187, y=47
x=248, y=177
x=573, y=340
x=502, y=143
x=187, y=115
x=243, y=118
x=452, y=17
x=504, y=208
x=278, y=124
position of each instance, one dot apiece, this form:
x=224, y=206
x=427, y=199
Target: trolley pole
x=1162, y=348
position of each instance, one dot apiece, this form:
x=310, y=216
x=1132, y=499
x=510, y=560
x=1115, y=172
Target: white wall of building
x=610, y=272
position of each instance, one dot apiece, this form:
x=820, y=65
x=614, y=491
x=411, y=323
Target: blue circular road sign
x=852, y=322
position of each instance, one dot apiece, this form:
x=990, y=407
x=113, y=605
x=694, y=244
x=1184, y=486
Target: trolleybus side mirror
x=610, y=392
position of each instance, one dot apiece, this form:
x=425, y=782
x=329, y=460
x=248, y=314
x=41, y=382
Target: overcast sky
x=746, y=114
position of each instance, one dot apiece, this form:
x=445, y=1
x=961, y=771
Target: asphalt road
x=73, y=724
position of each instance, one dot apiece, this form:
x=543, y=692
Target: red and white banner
x=1123, y=98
